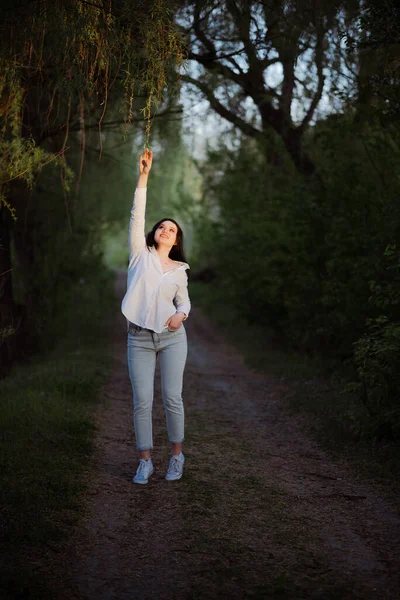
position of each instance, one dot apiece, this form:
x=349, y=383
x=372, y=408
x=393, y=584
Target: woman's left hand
x=145, y=162
x=175, y=321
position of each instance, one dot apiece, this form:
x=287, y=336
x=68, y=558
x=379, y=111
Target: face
x=166, y=234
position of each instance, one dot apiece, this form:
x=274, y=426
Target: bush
x=377, y=354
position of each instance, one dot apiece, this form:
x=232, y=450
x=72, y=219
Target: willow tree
x=266, y=67
x=62, y=63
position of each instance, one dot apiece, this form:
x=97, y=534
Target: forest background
x=288, y=192
x=275, y=129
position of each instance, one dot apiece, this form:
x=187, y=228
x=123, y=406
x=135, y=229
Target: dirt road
x=261, y=511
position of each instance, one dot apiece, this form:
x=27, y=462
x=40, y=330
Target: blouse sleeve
x=136, y=223
x=181, y=300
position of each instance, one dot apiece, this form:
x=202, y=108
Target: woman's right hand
x=145, y=162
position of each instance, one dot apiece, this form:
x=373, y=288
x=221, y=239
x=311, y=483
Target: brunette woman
x=155, y=305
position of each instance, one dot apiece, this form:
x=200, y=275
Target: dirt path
x=261, y=511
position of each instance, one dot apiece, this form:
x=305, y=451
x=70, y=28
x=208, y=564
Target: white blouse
x=152, y=296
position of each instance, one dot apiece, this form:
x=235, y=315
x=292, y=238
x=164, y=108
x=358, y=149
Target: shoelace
x=141, y=467
x=175, y=465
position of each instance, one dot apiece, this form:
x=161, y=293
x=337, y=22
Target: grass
x=259, y=345
x=47, y=428
x=336, y=418
x=344, y=427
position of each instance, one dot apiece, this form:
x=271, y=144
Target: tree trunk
x=10, y=315
x=293, y=142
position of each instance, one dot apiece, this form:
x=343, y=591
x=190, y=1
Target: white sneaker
x=175, y=467
x=144, y=470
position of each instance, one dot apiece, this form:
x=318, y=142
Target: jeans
x=143, y=348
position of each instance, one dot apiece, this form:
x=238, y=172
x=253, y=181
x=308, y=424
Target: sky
x=203, y=127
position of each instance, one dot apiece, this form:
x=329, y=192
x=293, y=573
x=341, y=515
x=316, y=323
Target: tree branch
x=235, y=64
x=222, y=110
x=242, y=21
x=219, y=68
x=288, y=84
x=77, y=126
x=208, y=44
x=319, y=56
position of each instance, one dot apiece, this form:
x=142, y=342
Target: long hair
x=177, y=252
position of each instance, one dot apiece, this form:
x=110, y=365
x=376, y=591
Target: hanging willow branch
x=58, y=58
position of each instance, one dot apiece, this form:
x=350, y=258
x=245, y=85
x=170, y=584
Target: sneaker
x=175, y=467
x=144, y=470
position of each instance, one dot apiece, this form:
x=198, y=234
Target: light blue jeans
x=143, y=348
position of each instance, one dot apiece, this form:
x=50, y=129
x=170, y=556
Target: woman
x=156, y=304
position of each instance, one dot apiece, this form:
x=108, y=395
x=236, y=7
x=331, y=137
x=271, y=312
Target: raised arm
x=136, y=222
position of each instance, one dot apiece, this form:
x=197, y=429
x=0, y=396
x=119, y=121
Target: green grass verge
x=261, y=347
x=46, y=436
x=338, y=419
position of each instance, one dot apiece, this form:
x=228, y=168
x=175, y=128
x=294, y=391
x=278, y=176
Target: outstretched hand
x=145, y=162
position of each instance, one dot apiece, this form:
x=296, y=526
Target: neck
x=163, y=252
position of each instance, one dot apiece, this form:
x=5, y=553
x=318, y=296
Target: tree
x=378, y=46
x=266, y=66
x=62, y=65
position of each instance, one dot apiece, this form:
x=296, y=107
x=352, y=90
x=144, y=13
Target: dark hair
x=177, y=252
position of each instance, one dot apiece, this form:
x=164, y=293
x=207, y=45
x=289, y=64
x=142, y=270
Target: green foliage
x=377, y=352
x=67, y=68
x=297, y=256
x=47, y=407
x=359, y=216
x=23, y=159
x=7, y=331
x=378, y=46
x=47, y=430
x=174, y=191
x=62, y=59
x=59, y=273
